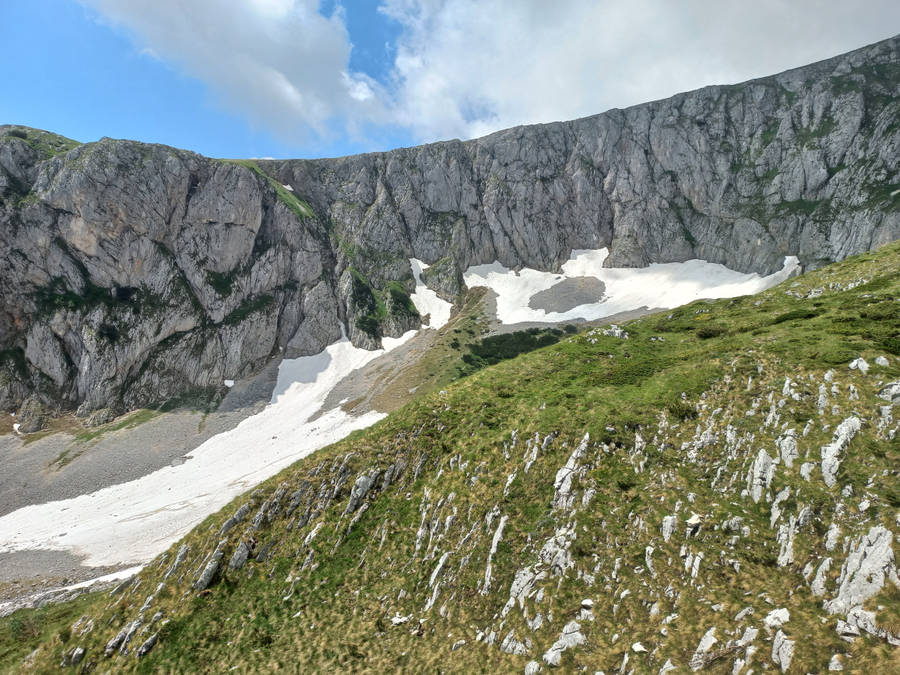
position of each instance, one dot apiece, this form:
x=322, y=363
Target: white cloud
x=464, y=68
x=280, y=63
x=468, y=67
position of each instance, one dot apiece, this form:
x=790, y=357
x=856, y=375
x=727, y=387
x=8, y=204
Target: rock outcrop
x=133, y=273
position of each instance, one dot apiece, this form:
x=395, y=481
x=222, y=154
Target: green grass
x=457, y=441
x=368, y=303
x=45, y=143
x=375, y=305
x=260, y=303
x=26, y=629
x=400, y=302
x=222, y=282
x=492, y=350
x=129, y=421
x=58, y=296
x=298, y=207
x=810, y=136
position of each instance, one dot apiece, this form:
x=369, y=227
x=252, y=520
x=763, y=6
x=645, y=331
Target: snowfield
x=663, y=286
x=426, y=300
x=132, y=522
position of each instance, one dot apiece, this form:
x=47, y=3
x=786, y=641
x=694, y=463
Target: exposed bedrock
x=134, y=273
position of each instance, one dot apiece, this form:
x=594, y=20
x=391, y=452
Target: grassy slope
x=45, y=143
x=325, y=600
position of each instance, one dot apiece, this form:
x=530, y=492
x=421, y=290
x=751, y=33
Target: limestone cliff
x=133, y=273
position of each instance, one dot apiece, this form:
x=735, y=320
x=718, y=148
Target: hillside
x=716, y=490
x=136, y=273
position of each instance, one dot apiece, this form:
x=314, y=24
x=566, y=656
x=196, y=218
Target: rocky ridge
x=134, y=273
x=711, y=489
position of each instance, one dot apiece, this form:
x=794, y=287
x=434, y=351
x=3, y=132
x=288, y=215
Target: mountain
x=713, y=488
x=134, y=273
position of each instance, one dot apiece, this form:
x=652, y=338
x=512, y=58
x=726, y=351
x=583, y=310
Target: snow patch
x=133, y=522
x=663, y=285
x=426, y=300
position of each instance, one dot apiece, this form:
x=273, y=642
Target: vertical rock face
x=132, y=272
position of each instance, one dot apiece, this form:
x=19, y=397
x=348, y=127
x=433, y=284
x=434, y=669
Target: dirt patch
x=569, y=294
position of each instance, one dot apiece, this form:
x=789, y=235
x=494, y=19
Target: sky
x=311, y=78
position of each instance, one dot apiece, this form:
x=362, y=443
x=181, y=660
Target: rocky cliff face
x=132, y=273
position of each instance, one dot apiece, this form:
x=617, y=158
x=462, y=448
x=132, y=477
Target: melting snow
x=426, y=300
x=664, y=285
x=135, y=521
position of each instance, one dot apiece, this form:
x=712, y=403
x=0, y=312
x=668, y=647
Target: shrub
x=681, y=410
x=796, y=314
x=369, y=324
x=108, y=332
x=707, y=332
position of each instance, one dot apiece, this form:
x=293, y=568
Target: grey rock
x=179, y=559
x=148, y=644
x=785, y=540
x=237, y=517
x=832, y=537
x=31, y=416
x=818, y=583
x=864, y=572
x=865, y=621
x=616, y=332
x=833, y=452
x=568, y=294
x=777, y=618
x=782, y=651
x=209, y=572
x=72, y=657
x=511, y=645
x=360, y=489
x=563, y=495
x=445, y=278
x=787, y=447
x=669, y=524
x=120, y=640
x=760, y=475
x=239, y=557
x=706, y=643
x=100, y=417
x=890, y=392
x=570, y=637
x=133, y=273
x=77, y=656
x=129, y=634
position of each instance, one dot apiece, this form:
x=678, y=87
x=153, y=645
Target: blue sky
x=80, y=77
x=303, y=78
